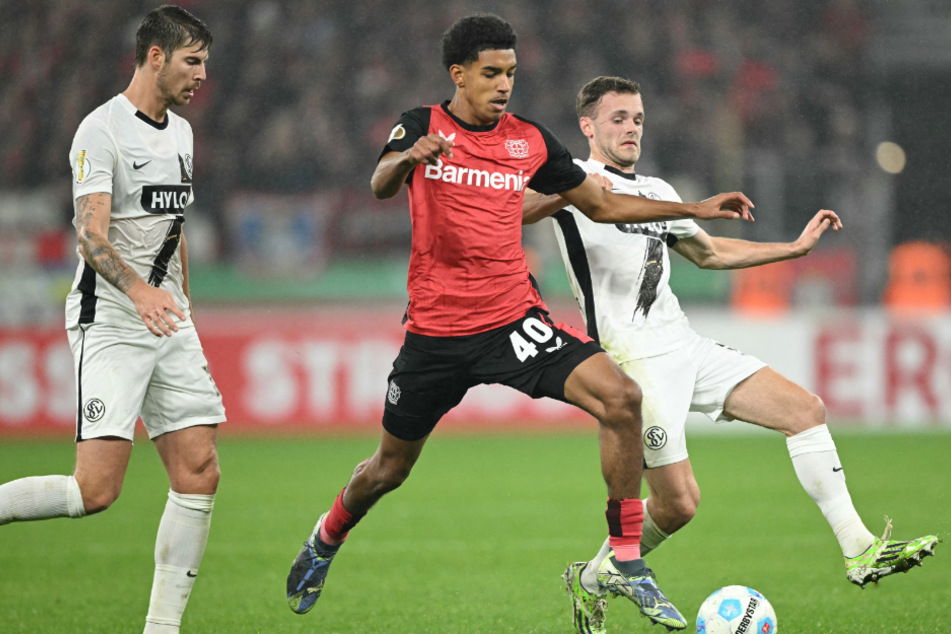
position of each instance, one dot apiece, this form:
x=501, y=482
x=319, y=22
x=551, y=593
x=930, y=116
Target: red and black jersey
x=467, y=270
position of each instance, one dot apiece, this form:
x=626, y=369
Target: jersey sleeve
x=412, y=125
x=93, y=158
x=559, y=173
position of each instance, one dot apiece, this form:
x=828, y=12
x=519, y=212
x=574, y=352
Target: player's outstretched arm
x=394, y=167
x=93, y=213
x=709, y=252
x=536, y=206
x=605, y=206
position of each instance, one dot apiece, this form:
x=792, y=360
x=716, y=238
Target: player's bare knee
x=677, y=513
x=210, y=476
x=209, y=471
x=622, y=404
x=811, y=413
x=817, y=410
x=98, y=498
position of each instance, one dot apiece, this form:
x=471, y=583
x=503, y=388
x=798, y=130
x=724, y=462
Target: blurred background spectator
x=803, y=105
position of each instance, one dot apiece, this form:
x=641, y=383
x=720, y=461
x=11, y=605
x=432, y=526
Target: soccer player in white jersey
x=619, y=274
x=128, y=315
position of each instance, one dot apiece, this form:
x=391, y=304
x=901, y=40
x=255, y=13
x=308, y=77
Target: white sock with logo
x=817, y=466
x=40, y=498
x=179, y=546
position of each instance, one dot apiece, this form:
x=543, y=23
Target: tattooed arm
x=92, y=231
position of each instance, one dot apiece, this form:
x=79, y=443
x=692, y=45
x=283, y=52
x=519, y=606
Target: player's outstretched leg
x=309, y=572
x=587, y=608
x=634, y=580
x=886, y=557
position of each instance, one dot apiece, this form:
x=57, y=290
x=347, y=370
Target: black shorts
x=432, y=374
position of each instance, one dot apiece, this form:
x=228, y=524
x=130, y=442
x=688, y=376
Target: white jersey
x=620, y=272
x=147, y=168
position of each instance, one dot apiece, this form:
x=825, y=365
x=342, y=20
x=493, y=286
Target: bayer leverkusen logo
x=517, y=148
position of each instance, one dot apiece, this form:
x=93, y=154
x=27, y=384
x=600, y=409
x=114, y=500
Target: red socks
x=337, y=523
x=625, y=520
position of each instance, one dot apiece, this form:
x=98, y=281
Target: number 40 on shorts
x=538, y=331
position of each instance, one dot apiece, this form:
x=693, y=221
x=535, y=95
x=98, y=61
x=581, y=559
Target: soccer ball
x=736, y=610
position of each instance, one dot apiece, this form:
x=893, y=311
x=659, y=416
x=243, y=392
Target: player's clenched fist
x=429, y=148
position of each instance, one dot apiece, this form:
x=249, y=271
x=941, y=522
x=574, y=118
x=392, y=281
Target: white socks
x=589, y=575
x=652, y=536
x=819, y=471
x=40, y=498
x=179, y=546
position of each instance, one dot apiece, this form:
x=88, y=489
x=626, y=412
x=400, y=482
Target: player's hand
x=156, y=307
x=603, y=182
x=428, y=149
x=822, y=221
x=731, y=206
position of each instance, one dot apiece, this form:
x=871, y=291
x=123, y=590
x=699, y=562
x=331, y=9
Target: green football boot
x=886, y=557
x=587, y=608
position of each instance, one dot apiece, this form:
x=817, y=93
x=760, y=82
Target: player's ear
x=156, y=57
x=586, y=128
x=458, y=72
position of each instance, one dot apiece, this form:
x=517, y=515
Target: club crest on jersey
x=83, y=167
x=397, y=133
x=517, y=148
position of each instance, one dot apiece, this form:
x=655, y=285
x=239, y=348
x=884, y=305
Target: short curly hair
x=473, y=34
x=592, y=92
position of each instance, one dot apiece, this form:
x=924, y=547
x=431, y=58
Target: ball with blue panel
x=736, y=610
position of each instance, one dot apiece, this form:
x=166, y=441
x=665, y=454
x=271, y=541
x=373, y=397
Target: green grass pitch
x=477, y=538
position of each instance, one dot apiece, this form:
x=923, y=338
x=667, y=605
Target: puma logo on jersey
x=477, y=178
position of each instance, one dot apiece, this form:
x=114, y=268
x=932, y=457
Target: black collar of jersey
x=629, y=176
x=158, y=125
x=468, y=126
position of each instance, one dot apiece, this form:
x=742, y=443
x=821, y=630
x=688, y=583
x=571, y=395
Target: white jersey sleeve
x=620, y=273
x=93, y=158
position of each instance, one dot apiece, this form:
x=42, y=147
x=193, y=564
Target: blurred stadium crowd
x=776, y=98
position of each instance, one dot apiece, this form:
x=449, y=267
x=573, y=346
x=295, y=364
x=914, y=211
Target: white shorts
x=125, y=373
x=697, y=377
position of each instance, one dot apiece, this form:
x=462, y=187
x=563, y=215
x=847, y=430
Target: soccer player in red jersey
x=474, y=314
